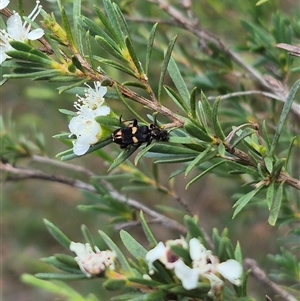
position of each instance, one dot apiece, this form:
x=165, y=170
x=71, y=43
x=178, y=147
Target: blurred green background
x=33, y=107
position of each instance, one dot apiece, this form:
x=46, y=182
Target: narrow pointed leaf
x=177, y=99
x=87, y=236
x=115, y=65
x=244, y=200
x=276, y=204
x=285, y=111
x=29, y=49
x=270, y=195
x=76, y=26
x=204, y=173
x=150, y=47
x=206, y=107
x=25, y=73
x=193, y=101
x=197, y=131
x=109, y=48
x=147, y=231
x=142, y=153
x=67, y=28
x=177, y=79
x=114, y=22
x=122, y=157
x=121, y=258
x=165, y=66
x=136, y=249
x=134, y=58
x=58, y=234
x=202, y=157
x=216, y=124
x=21, y=55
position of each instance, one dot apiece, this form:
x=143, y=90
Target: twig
x=25, y=173
x=209, y=38
x=295, y=107
x=261, y=276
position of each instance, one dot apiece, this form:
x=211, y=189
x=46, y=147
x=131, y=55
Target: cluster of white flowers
x=84, y=125
x=18, y=31
x=92, y=263
x=204, y=265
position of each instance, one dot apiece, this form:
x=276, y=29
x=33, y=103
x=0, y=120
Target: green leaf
x=285, y=111
x=207, y=107
x=270, y=195
x=292, y=144
x=260, y=2
x=134, y=58
x=25, y=73
x=58, y=234
x=177, y=99
x=67, y=28
x=121, y=258
x=64, y=277
x=203, y=173
x=115, y=65
x=142, y=153
x=150, y=47
x=240, y=168
x=193, y=229
x=21, y=55
x=87, y=235
x=113, y=25
x=114, y=284
x=122, y=157
x=217, y=127
x=241, y=136
x=202, y=157
x=23, y=47
x=147, y=231
x=69, y=155
x=278, y=168
x=179, y=82
x=76, y=26
x=165, y=66
x=109, y=48
x=238, y=253
x=135, y=248
x=245, y=199
x=268, y=163
x=275, y=206
x=57, y=287
x=95, y=30
x=193, y=101
x=197, y=131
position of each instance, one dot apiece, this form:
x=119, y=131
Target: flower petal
x=155, y=254
x=4, y=3
x=189, y=277
x=79, y=148
x=197, y=250
x=231, y=270
x=35, y=34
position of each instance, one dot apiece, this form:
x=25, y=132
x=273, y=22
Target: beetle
x=135, y=134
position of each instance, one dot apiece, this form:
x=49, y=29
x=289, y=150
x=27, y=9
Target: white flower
x=4, y=3
x=92, y=263
x=94, y=97
x=231, y=270
x=189, y=277
x=16, y=31
x=84, y=126
x=205, y=265
x=164, y=254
